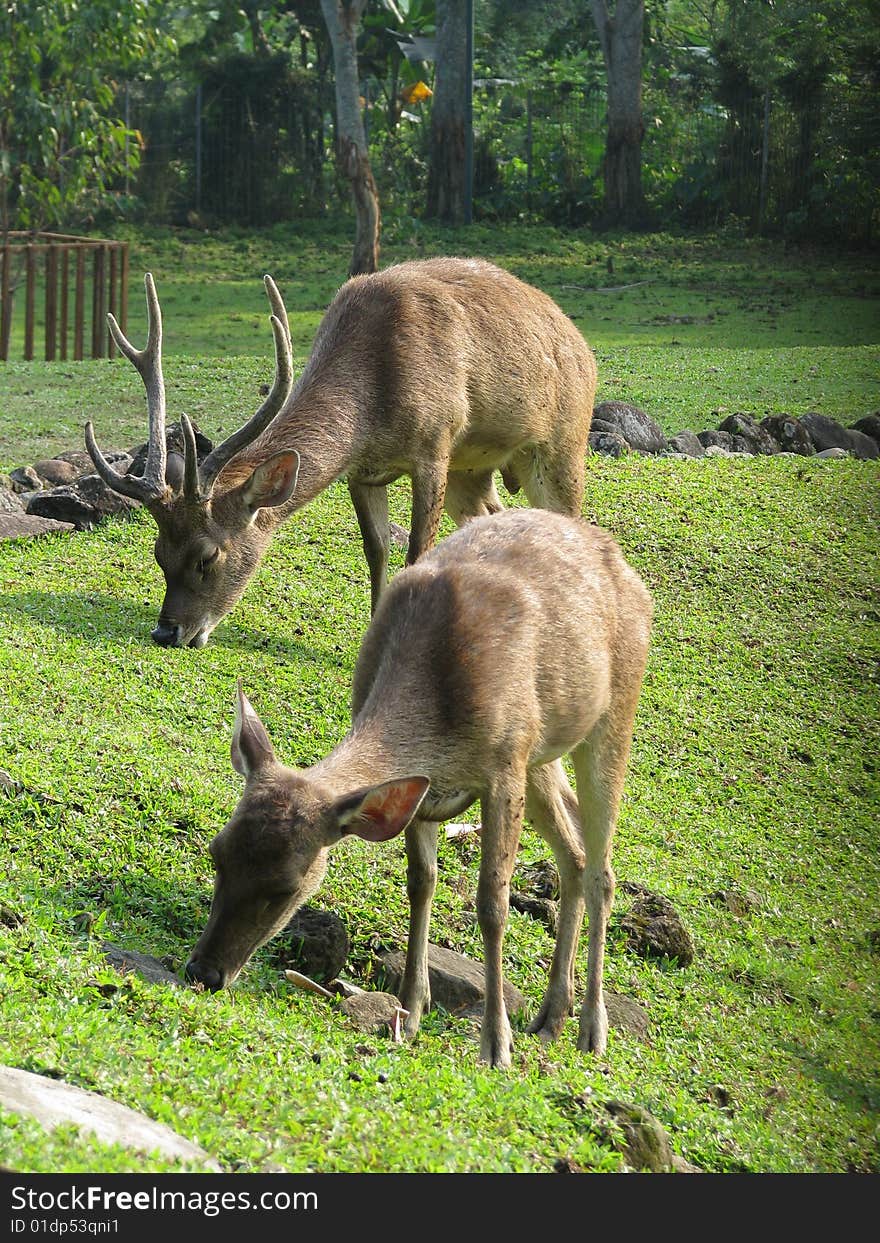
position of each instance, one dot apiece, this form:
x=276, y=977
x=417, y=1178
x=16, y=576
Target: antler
x=151, y=486
x=199, y=479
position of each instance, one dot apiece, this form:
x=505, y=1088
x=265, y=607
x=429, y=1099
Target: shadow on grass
x=91, y=615
x=856, y=1094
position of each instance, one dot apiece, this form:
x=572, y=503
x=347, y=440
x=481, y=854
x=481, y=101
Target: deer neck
x=325, y=435
x=366, y=756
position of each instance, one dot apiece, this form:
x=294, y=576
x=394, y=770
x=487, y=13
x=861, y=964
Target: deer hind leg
x=552, y=477
x=502, y=814
x=421, y=880
x=371, y=506
x=471, y=494
x=600, y=764
x=552, y=810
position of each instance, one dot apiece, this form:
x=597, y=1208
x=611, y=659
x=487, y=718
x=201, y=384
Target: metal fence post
x=199, y=147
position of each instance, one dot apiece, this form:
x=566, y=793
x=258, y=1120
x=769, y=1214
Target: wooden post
x=51, y=328
x=79, y=311
x=111, y=344
x=97, y=302
x=65, y=294
x=123, y=292
x=5, y=305
x=30, y=274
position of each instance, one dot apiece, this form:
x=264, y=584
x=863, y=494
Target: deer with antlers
x=517, y=640
x=441, y=369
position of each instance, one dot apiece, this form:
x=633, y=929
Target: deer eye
x=205, y=563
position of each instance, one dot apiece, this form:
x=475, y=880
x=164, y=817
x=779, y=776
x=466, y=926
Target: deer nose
x=166, y=634
x=197, y=973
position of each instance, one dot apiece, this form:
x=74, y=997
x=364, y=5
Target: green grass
x=754, y=764
x=690, y=328
x=754, y=767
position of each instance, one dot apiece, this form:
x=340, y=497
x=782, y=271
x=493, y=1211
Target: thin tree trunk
x=620, y=37
x=446, y=175
x=342, y=18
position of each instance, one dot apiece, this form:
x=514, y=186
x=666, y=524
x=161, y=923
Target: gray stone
x=26, y=526
x=540, y=878
x=740, y=902
x=739, y=444
x=640, y=1137
x=544, y=910
x=654, y=928
x=81, y=460
x=52, y=1103
x=10, y=502
x=315, y=943
x=612, y=444
x=710, y=438
x=834, y=453
x=399, y=535
x=686, y=443
x=826, y=433
x=718, y=451
x=83, y=503
x=626, y=1015
x=756, y=437
x=55, y=472
x=789, y=435
x=637, y=428
x=371, y=1012
x=126, y=961
x=173, y=444
x=457, y=983
x=25, y=479
x=868, y=426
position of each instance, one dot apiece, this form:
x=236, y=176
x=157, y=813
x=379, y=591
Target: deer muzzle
x=198, y=972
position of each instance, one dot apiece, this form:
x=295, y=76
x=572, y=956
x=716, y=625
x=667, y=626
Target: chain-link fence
x=232, y=151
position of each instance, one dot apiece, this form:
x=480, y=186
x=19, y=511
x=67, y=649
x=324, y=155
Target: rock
x=10, y=501
x=371, y=1012
x=788, y=433
x=739, y=902
x=26, y=526
x=610, y=443
x=868, y=426
x=399, y=535
x=150, y=969
x=457, y=983
x=718, y=451
x=640, y=1137
x=833, y=453
x=83, y=503
x=826, y=433
x=25, y=479
x=636, y=427
x=174, y=445
x=687, y=443
x=626, y=1015
x=79, y=459
x=739, y=444
x=654, y=928
x=315, y=943
x=52, y=1103
x=753, y=433
x=711, y=438
x=541, y=878
x=545, y=910
x=56, y=472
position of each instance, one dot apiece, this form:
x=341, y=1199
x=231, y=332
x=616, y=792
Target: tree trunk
x=342, y=18
x=446, y=174
x=620, y=37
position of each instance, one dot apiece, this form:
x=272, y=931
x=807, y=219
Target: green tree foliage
x=63, y=144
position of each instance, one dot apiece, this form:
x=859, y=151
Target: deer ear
x=273, y=482
x=382, y=812
x=251, y=745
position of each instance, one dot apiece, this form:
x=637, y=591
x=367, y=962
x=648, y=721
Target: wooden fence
x=80, y=279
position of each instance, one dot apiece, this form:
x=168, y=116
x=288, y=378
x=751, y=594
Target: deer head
x=272, y=855
x=210, y=541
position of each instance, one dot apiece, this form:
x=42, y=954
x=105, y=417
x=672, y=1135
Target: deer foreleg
x=371, y=506
x=421, y=880
x=428, y=496
x=502, y=812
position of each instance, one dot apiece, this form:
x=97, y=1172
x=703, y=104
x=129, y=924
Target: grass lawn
x=754, y=769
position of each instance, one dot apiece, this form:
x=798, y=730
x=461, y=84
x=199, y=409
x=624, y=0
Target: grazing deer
x=517, y=640
x=443, y=370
